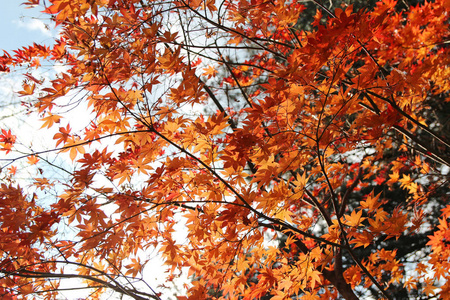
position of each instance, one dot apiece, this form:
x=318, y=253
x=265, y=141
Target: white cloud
x=33, y=24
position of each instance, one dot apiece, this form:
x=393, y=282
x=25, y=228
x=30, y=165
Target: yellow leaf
x=371, y=201
x=237, y=40
x=209, y=72
x=405, y=181
x=354, y=219
x=50, y=120
x=315, y=277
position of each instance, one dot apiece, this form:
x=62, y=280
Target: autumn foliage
x=263, y=158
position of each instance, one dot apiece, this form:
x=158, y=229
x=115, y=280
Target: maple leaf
x=429, y=288
x=371, y=202
x=12, y=170
x=393, y=177
x=209, y=72
x=27, y=89
x=7, y=140
x=354, y=219
x=405, y=180
x=74, y=145
x=32, y=160
x=362, y=239
x=237, y=40
x=315, y=277
x=42, y=183
x=63, y=135
x=50, y=120
x=134, y=267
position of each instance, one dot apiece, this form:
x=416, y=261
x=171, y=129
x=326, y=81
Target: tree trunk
x=341, y=285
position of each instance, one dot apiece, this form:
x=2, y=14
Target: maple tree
x=299, y=159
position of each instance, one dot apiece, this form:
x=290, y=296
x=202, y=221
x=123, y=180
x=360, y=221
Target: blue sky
x=21, y=27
